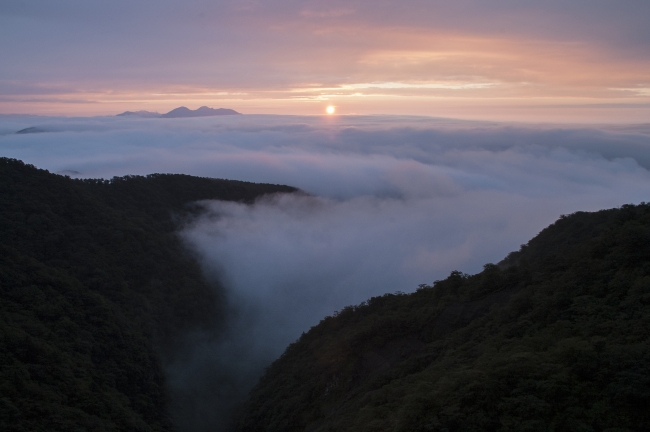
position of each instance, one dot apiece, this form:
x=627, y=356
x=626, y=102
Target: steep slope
x=95, y=292
x=554, y=338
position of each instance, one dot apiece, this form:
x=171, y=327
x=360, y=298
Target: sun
x=330, y=110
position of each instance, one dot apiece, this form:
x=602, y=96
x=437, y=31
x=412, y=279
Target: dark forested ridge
x=553, y=338
x=94, y=290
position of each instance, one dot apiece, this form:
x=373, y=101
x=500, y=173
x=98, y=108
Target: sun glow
x=330, y=110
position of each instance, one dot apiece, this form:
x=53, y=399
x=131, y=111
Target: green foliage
x=95, y=290
x=554, y=338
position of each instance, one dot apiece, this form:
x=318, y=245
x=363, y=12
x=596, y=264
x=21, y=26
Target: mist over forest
x=352, y=215
x=388, y=203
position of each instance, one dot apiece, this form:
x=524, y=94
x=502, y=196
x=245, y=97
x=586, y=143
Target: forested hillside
x=553, y=338
x=95, y=290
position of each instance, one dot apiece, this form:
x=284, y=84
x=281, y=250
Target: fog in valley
x=389, y=203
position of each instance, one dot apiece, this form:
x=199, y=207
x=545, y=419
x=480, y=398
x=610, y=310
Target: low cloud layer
x=391, y=202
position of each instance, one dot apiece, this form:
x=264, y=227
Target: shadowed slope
x=96, y=293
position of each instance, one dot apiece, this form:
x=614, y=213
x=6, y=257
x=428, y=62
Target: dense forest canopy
x=96, y=291
x=556, y=337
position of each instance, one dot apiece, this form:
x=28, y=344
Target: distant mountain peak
x=203, y=111
x=141, y=113
x=32, y=129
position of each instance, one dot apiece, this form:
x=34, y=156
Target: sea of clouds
x=390, y=202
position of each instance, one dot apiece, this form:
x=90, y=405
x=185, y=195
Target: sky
x=584, y=61
x=390, y=202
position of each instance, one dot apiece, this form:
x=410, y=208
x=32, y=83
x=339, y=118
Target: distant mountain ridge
x=204, y=111
x=182, y=112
